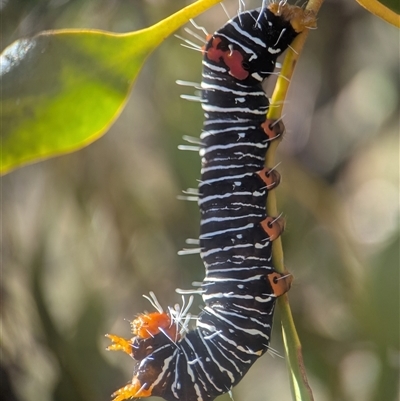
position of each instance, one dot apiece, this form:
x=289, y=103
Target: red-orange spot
x=233, y=59
x=273, y=227
x=148, y=325
x=273, y=129
x=280, y=283
x=270, y=176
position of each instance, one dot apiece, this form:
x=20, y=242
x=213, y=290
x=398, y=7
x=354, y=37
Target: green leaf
x=61, y=90
x=388, y=10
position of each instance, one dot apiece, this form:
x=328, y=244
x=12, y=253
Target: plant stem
x=300, y=388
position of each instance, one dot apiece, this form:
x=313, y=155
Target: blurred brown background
x=85, y=235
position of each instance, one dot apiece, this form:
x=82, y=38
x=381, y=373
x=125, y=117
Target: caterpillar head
x=246, y=48
x=299, y=18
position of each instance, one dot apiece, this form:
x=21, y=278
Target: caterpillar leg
x=119, y=344
x=132, y=390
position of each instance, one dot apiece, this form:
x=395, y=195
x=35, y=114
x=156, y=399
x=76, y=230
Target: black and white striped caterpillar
x=241, y=285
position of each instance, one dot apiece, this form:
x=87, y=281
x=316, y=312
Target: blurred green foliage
x=392, y=4
x=85, y=235
x=63, y=89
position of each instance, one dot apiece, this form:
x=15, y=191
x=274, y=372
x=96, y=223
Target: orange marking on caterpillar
x=273, y=227
x=270, y=177
x=280, y=283
x=273, y=129
x=149, y=325
x=145, y=328
x=233, y=59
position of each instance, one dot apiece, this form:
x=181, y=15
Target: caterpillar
x=240, y=285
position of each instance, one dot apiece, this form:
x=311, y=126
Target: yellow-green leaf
x=61, y=90
x=386, y=9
